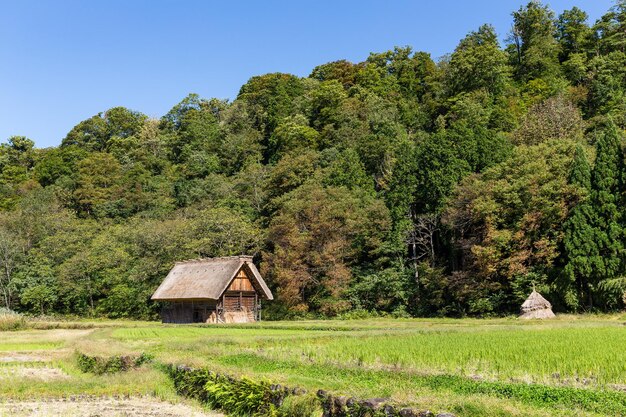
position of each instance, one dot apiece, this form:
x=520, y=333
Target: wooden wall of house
x=241, y=282
x=235, y=302
x=241, y=296
x=187, y=311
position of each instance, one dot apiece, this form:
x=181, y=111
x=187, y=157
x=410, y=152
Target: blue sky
x=66, y=60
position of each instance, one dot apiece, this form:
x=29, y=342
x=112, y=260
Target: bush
x=99, y=365
x=300, y=406
x=238, y=397
x=189, y=382
x=10, y=320
x=358, y=314
x=247, y=398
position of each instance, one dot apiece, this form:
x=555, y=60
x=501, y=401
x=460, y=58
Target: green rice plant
x=11, y=346
x=378, y=382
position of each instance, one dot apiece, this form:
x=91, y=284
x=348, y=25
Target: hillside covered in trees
x=398, y=184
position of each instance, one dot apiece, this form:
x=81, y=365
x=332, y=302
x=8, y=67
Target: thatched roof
x=202, y=279
x=536, y=307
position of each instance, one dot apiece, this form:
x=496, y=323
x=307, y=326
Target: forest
x=398, y=185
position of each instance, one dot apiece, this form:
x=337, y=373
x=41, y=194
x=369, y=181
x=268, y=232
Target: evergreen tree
x=578, y=240
x=605, y=196
x=594, y=243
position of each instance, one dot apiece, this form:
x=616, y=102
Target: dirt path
x=100, y=407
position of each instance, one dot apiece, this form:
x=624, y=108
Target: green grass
x=28, y=347
x=145, y=381
x=499, y=367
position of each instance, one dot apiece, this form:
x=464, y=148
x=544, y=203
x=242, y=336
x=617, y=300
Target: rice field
x=574, y=365
x=587, y=352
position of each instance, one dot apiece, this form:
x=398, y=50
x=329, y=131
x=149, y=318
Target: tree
x=594, y=237
x=507, y=224
x=98, y=183
x=20, y=151
x=317, y=235
x=38, y=285
x=271, y=98
x=553, y=118
x=535, y=49
x=573, y=33
x=241, y=142
x=342, y=71
x=578, y=240
x=439, y=170
x=607, y=260
x=11, y=252
x=606, y=87
x=347, y=170
x=401, y=68
x=611, y=29
x=478, y=63
x=94, y=133
x=292, y=134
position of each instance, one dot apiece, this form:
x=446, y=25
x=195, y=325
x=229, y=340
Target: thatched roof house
x=228, y=289
x=536, y=307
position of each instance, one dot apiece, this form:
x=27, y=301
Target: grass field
x=501, y=367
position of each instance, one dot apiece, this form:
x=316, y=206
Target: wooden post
x=223, y=307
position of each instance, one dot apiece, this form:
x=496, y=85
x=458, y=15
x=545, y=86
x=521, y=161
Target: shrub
x=10, y=320
x=238, y=397
x=300, y=406
x=247, y=398
x=189, y=382
x=100, y=365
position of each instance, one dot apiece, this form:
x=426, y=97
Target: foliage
x=595, y=235
x=317, y=235
x=237, y=396
x=10, y=320
x=328, y=180
x=100, y=365
x=509, y=223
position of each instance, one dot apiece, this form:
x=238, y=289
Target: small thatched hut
x=536, y=307
x=213, y=290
